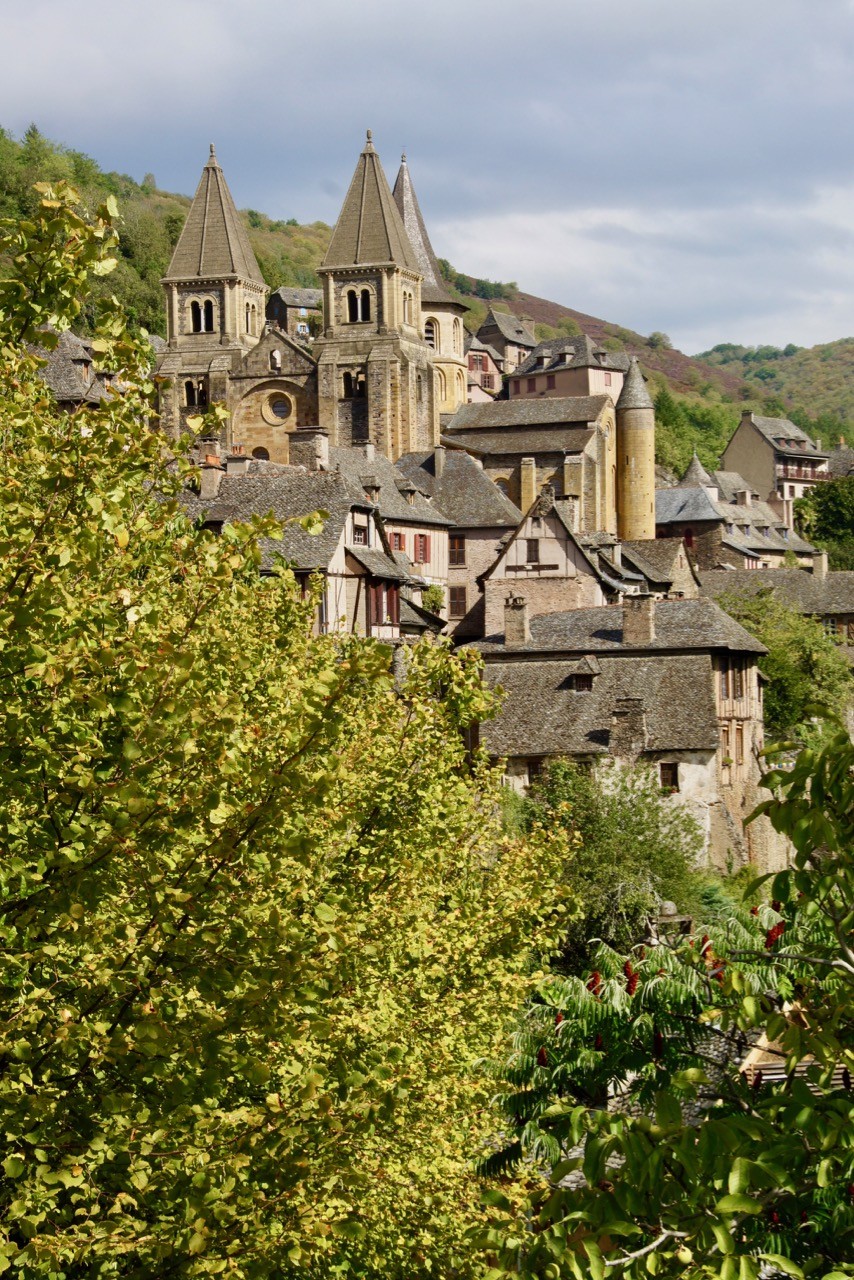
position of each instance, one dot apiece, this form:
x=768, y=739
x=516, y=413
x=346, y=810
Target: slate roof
x=571, y=353
x=679, y=624
x=369, y=229
x=378, y=564
x=286, y=492
x=634, y=393
x=777, y=431
x=474, y=343
x=841, y=460
x=542, y=715
x=656, y=558
x=745, y=525
x=463, y=492
x=388, y=477
x=213, y=241
x=64, y=371
x=696, y=476
x=519, y=441
x=694, y=505
x=544, y=411
x=299, y=297
x=806, y=592
x=509, y=326
x=432, y=286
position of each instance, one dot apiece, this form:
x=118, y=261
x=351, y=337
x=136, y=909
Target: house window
x=532, y=551
x=398, y=543
x=725, y=741
x=457, y=602
x=739, y=744
x=668, y=772
x=422, y=548
x=724, y=683
x=531, y=384
x=607, y=377
x=517, y=386
x=738, y=681
x=360, y=535
x=430, y=333
x=383, y=605
x=583, y=682
x=456, y=549
x=550, y=382
x=486, y=381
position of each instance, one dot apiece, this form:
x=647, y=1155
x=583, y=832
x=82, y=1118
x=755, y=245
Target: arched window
x=209, y=316
x=430, y=333
x=407, y=308
x=366, y=304
x=202, y=396
x=504, y=486
x=262, y=455
x=254, y=329
x=458, y=336
x=196, y=316
x=352, y=306
x=248, y=317
x=461, y=385
x=361, y=389
x=276, y=361
x=348, y=386
x=441, y=385
x=190, y=393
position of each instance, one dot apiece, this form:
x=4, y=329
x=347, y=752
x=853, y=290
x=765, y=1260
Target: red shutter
x=471, y=363
x=426, y=546
x=394, y=605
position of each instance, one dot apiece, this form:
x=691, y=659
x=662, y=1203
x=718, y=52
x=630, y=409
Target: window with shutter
x=457, y=602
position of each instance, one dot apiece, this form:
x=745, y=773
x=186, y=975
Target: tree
x=631, y=847
x=826, y=515
x=659, y=341
x=668, y=1149
x=804, y=665
x=258, y=921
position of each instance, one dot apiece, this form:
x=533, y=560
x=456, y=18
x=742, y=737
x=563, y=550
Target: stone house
x=724, y=523
x=484, y=371
x=296, y=312
x=776, y=458
x=70, y=372
x=361, y=581
x=480, y=517
x=511, y=337
x=570, y=367
x=673, y=684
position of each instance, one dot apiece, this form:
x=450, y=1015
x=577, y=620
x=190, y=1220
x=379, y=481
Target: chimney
x=747, y=415
x=439, y=461
x=617, y=555
x=517, y=628
x=370, y=451
x=743, y=497
x=309, y=447
x=211, y=478
x=818, y=442
x=629, y=737
x=819, y=565
x=209, y=445
x=236, y=464
x=638, y=621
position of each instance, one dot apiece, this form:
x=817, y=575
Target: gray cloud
x=667, y=165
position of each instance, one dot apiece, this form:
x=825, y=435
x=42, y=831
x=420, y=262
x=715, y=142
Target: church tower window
x=190, y=393
x=458, y=337
x=352, y=306
x=430, y=333
x=348, y=386
x=276, y=361
x=209, y=316
x=196, y=316
x=366, y=305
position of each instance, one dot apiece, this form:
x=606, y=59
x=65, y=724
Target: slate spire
x=634, y=394
x=213, y=243
x=369, y=230
x=432, y=286
x=696, y=476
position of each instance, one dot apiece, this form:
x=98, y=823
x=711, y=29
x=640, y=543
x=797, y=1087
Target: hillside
x=698, y=398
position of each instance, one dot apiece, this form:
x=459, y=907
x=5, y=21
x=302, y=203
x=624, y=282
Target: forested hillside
x=698, y=398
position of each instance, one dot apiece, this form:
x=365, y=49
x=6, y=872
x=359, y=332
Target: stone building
x=441, y=315
x=480, y=518
x=511, y=337
x=673, y=684
x=725, y=524
x=570, y=367
x=776, y=458
x=296, y=312
x=484, y=371
x=375, y=370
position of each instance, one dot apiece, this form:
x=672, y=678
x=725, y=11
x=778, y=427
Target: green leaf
x=737, y=1204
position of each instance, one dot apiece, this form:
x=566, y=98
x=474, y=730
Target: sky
x=673, y=165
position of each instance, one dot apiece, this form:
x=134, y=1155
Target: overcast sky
x=683, y=165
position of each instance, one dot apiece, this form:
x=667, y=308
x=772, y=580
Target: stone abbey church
x=389, y=359
x=389, y=367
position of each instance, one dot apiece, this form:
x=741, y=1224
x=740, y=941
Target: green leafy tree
x=804, y=665
x=258, y=921
x=631, y=847
x=690, y=1105
x=826, y=515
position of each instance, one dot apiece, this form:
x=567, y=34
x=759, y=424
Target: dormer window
x=582, y=682
x=360, y=535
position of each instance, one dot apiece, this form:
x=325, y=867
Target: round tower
x=635, y=458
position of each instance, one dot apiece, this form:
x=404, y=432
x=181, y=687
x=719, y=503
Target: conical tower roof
x=634, y=394
x=213, y=242
x=432, y=287
x=696, y=476
x=369, y=230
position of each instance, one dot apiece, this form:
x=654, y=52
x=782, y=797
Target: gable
x=295, y=360
x=558, y=552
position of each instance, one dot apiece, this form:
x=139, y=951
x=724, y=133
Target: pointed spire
x=213, y=242
x=696, y=476
x=432, y=287
x=369, y=230
x=634, y=394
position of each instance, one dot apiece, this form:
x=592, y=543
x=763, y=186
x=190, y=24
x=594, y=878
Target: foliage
x=433, y=598
x=631, y=847
x=684, y=425
x=257, y=918
x=659, y=341
x=804, y=665
x=826, y=516
x=665, y=1150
